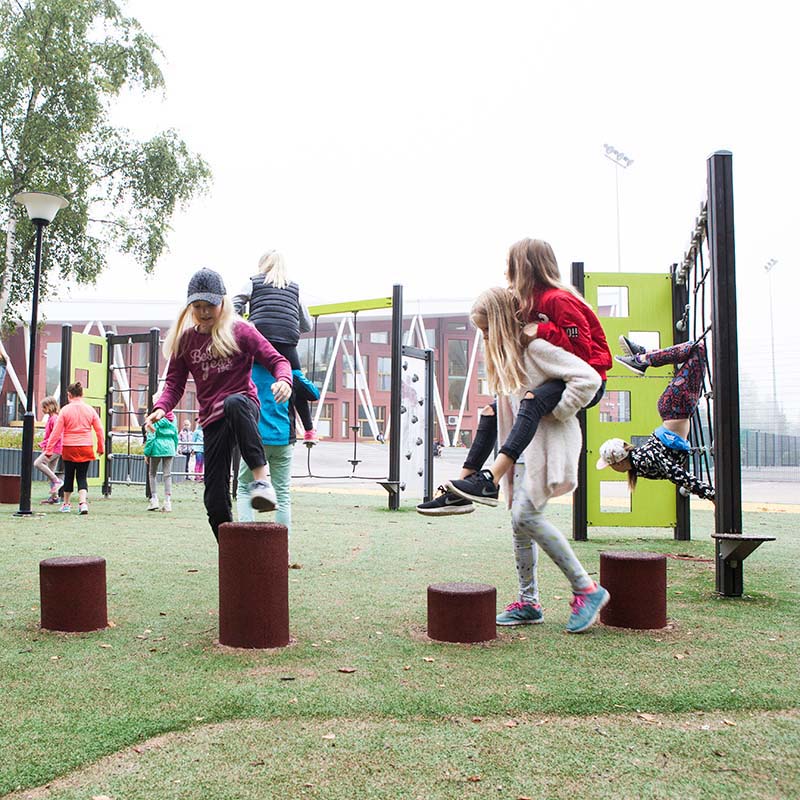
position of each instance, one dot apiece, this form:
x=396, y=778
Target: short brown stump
x=637, y=583
x=73, y=593
x=253, y=584
x=462, y=612
x=10, y=486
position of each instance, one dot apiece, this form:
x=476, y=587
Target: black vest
x=275, y=312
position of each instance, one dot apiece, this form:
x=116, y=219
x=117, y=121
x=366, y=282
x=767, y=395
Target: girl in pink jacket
x=75, y=423
x=44, y=463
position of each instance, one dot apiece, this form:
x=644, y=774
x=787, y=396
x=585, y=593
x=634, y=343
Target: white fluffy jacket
x=551, y=459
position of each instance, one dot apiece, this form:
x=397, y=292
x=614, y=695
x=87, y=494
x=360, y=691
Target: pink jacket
x=75, y=422
x=48, y=432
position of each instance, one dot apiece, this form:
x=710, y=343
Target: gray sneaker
x=262, y=496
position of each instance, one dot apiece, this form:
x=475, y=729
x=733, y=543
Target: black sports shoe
x=630, y=348
x=632, y=364
x=445, y=504
x=479, y=488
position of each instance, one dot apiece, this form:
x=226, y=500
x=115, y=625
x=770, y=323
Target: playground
x=362, y=703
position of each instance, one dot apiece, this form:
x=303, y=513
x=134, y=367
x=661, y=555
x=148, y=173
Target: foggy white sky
x=378, y=143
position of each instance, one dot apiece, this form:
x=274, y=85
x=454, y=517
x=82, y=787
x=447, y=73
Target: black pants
x=239, y=425
x=545, y=398
x=289, y=352
x=73, y=470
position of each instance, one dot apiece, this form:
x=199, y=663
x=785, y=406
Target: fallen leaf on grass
x=347, y=670
x=329, y=736
x=477, y=719
x=112, y=624
x=100, y=797
x=54, y=658
x=106, y=646
x=259, y=763
x=679, y=656
x=193, y=570
x=729, y=722
x=407, y=667
x=648, y=717
x=474, y=778
x=429, y=659
x=512, y=723
x=705, y=727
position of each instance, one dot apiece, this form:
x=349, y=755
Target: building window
x=612, y=301
x=379, y=337
x=96, y=353
x=325, y=421
x=348, y=364
x=345, y=420
x=430, y=335
x=53, y=368
x=456, y=326
x=142, y=357
x=13, y=409
x=384, y=374
x=457, y=350
x=483, y=379
x=365, y=430
x=615, y=407
x=82, y=376
x=317, y=359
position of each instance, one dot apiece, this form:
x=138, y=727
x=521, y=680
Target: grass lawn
x=153, y=708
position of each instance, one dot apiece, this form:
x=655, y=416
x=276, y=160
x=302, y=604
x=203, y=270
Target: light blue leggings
x=279, y=461
x=531, y=529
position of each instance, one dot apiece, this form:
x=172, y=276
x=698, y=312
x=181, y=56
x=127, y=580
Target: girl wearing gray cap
x=208, y=342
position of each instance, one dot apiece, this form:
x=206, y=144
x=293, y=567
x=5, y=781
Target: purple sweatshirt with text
x=216, y=378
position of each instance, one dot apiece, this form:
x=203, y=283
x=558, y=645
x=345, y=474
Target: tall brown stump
x=72, y=590
x=253, y=584
x=638, y=586
x=462, y=612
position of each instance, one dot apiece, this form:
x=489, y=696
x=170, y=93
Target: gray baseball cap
x=206, y=285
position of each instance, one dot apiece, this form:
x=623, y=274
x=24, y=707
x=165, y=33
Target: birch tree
x=62, y=64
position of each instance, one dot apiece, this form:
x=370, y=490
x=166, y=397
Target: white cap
x=612, y=451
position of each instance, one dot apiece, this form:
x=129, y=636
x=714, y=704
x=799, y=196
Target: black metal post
x=429, y=418
x=109, y=421
x=580, y=525
x=727, y=462
x=396, y=397
x=26, y=474
x=66, y=363
x=680, y=297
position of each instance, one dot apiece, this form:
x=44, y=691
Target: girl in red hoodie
x=551, y=310
x=75, y=423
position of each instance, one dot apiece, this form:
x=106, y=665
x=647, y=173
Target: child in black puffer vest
x=274, y=307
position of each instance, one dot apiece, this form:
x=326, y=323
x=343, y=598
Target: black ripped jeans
x=531, y=410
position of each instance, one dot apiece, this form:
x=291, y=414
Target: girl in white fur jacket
x=549, y=464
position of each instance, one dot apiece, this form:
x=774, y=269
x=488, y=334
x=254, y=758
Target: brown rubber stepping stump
x=637, y=583
x=73, y=593
x=462, y=612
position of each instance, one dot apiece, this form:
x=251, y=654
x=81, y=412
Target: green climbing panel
x=89, y=365
x=640, y=307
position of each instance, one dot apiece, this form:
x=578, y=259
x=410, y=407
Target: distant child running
x=278, y=314
x=43, y=463
x=548, y=467
x=549, y=310
x=185, y=442
x=218, y=350
x=75, y=423
x=160, y=449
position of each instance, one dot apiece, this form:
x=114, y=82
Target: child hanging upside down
x=663, y=455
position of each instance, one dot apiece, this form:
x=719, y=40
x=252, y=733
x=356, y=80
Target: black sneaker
x=479, y=488
x=630, y=348
x=445, y=504
x=632, y=364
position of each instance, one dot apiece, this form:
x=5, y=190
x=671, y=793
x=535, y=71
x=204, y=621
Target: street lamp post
x=42, y=208
x=768, y=267
x=620, y=161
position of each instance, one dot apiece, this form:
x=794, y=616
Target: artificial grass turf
x=359, y=602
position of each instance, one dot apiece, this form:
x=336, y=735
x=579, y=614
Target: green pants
x=279, y=461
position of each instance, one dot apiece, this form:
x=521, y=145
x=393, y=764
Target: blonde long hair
x=496, y=313
x=273, y=267
x=223, y=341
x=532, y=268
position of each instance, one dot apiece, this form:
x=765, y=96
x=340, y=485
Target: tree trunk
x=8, y=262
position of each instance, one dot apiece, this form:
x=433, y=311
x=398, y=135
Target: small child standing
x=44, y=463
x=160, y=448
x=209, y=343
x=199, y=453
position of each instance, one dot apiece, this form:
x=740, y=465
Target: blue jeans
x=279, y=461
